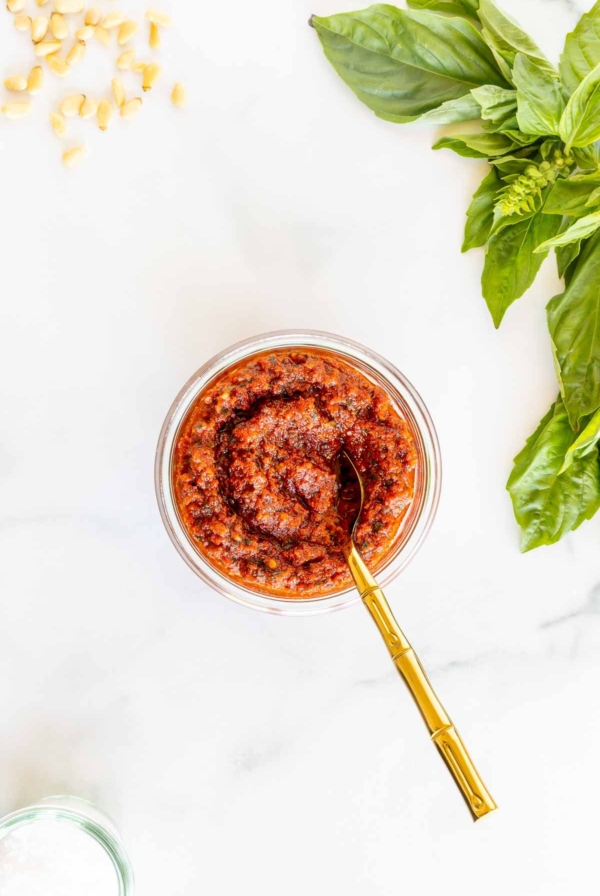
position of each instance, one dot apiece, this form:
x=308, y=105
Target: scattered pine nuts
x=118, y=91
x=49, y=47
x=85, y=33
x=88, y=109
x=151, y=73
x=59, y=125
x=68, y=7
x=93, y=16
x=16, y=82
x=126, y=60
x=22, y=23
x=76, y=53
x=130, y=110
x=58, y=26
x=113, y=20
x=179, y=96
x=104, y=114
x=58, y=65
x=71, y=105
x=46, y=47
x=102, y=35
x=39, y=27
x=127, y=31
x=73, y=156
x=154, y=40
x=158, y=18
x=35, y=81
x=16, y=110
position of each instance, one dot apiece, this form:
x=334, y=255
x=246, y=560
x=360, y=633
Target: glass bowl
x=416, y=523
x=87, y=818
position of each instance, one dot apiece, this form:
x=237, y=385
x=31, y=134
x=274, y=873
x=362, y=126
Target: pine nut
x=179, y=96
x=16, y=110
x=85, y=33
x=39, y=27
x=58, y=65
x=73, y=156
x=15, y=5
x=102, y=35
x=130, y=110
x=76, y=53
x=125, y=60
x=139, y=67
x=68, y=7
x=154, y=40
x=158, y=18
x=22, y=23
x=35, y=81
x=118, y=91
x=46, y=47
x=41, y=2
x=93, y=16
x=88, y=109
x=58, y=26
x=59, y=125
x=105, y=111
x=126, y=31
x=151, y=73
x=71, y=105
x=16, y=82
x=113, y=20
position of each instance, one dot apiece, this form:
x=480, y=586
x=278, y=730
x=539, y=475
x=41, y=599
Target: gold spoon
x=442, y=731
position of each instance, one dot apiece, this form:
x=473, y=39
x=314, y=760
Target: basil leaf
x=565, y=256
x=574, y=324
x=569, y=197
x=465, y=108
x=504, y=35
x=451, y=7
x=497, y=104
x=481, y=212
x=585, y=442
x=582, y=50
x=476, y=146
x=510, y=165
x=588, y=157
x=580, y=122
x=539, y=98
x=547, y=504
x=580, y=230
x=510, y=263
x=519, y=138
x=404, y=63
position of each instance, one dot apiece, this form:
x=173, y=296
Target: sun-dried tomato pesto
x=254, y=470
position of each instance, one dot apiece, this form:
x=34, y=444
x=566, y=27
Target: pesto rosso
x=254, y=471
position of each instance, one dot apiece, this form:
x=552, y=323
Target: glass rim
x=46, y=810
x=404, y=396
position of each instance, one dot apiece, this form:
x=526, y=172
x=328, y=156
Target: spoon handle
x=442, y=731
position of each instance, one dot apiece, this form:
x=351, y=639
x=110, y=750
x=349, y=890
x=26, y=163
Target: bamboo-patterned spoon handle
x=442, y=731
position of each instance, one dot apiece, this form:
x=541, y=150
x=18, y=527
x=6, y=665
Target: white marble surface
x=240, y=752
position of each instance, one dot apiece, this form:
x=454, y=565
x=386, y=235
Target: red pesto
x=254, y=470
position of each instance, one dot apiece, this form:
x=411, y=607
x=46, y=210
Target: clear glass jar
x=87, y=818
x=415, y=525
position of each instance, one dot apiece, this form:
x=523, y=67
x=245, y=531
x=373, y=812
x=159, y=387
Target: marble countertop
x=241, y=752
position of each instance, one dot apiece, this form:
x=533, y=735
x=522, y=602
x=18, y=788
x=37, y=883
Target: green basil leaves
x=552, y=496
x=448, y=61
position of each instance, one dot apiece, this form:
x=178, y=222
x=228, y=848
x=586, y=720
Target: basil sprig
x=445, y=61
